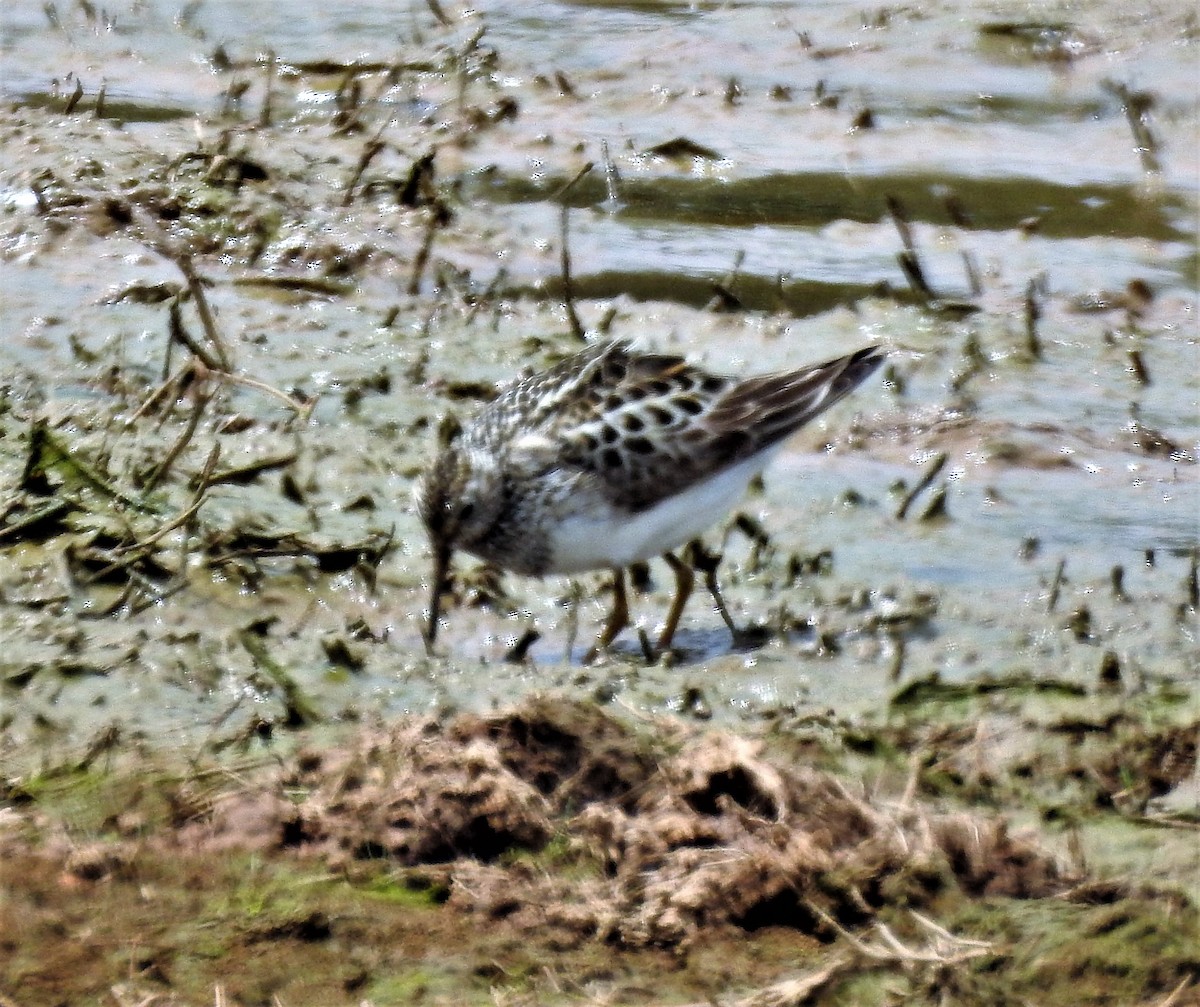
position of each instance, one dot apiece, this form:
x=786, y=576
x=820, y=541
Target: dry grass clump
x=561, y=818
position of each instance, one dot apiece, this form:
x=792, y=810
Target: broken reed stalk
x=724, y=299
x=900, y=218
x=974, y=282
x=1138, y=367
x=577, y=329
x=1056, y=586
x=370, y=151
x=435, y=9
x=302, y=409
x=422, y=258
x=203, y=397
x=196, y=288
x=517, y=653
x=612, y=179
x=204, y=365
x=1136, y=104
x=264, y=114
x=73, y=100
x=129, y=554
x=936, y=464
x=909, y=259
x=178, y=333
x=1033, y=312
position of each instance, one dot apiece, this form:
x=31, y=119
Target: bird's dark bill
x=441, y=570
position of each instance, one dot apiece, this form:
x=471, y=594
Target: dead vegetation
x=664, y=846
x=564, y=830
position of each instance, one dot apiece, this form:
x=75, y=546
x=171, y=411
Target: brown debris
x=663, y=846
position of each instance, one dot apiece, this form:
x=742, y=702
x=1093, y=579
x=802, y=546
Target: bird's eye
x=467, y=511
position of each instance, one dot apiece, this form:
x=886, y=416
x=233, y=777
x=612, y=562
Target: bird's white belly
x=612, y=539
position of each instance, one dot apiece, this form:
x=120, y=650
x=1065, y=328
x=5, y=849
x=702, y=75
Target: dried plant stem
x=577, y=329
x=422, y=259
x=222, y=361
x=203, y=397
x=373, y=147
x=931, y=473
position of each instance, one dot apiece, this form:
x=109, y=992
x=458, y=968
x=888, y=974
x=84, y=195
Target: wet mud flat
x=952, y=761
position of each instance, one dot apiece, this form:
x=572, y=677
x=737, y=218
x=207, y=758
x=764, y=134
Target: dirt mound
x=559, y=817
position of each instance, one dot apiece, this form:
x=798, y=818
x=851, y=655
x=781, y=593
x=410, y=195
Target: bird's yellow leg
x=618, y=618
x=685, y=580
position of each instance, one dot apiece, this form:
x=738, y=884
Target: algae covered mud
x=249, y=260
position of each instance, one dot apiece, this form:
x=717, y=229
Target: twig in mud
x=935, y=466
x=974, y=283
x=1136, y=105
x=46, y=450
x=899, y=652
x=1056, y=585
x=302, y=408
x=577, y=329
x=51, y=512
x=130, y=554
x=203, y=398
x=418, y=186
x=1033, y=312
x=1116, y=580
x=962, y=219
x=517, y=653
x=184, y=261
x=422, y=257
x=909, y=259
x=264, y=115
x=370, y=151
x=93, y=614
x=98, y=111
x=190, y=511
x=177, y=333
x=75, y=96
x=937, y=506
x=1137, y=367
x=298, y=708
x=724, y=298
x=435, y=9
x=900, y=218
x=612, y=178
x=204, y=364
x=648, y=654
x=944, y=948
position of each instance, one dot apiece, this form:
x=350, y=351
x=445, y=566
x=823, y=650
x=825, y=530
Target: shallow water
x=1018, y=127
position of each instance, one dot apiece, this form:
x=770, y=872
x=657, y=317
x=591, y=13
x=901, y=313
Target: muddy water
x=999, y=132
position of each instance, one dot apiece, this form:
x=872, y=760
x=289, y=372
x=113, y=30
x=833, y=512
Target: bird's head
x=459, y=498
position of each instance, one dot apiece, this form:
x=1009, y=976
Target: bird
x=609, y=458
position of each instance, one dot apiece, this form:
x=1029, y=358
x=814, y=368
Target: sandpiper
x=612, y=457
